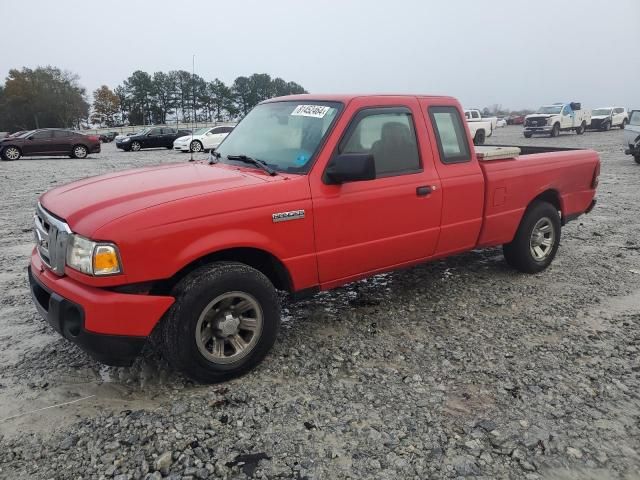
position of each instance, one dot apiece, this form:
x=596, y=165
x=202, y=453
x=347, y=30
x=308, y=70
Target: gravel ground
x=459, y=368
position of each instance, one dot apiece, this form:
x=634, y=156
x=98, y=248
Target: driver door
x=154, y=138
x=38, y=143
x=566, y=120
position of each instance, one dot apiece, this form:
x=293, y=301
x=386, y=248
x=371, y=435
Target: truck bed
x=509, y=181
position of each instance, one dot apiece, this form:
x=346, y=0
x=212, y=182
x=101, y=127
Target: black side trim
x=67, y=318
x=304, y=294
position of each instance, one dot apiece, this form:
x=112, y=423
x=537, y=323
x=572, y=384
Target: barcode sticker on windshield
x=317, y=111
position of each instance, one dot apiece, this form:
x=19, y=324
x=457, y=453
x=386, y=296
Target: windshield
x=550, y=109
x=601, y=111
x=25, y=134
x=285, y=135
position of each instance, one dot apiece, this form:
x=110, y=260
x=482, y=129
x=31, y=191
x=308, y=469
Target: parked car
x=515, y=120
x=606, y=117
x=476, y=116
x=306, y=194
x=153, y=137
x=108, y=137
x=502, y=122
x=49, y=142
x=203, y=139
x=559, y=117
x=632, y=135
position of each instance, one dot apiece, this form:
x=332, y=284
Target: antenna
x=193, y=91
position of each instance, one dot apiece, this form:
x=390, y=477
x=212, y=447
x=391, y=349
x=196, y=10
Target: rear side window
x=450, y=134
x=389, y=135
x=62, y=134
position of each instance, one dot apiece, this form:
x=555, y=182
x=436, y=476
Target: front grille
x=536, y=122
x=51, y=235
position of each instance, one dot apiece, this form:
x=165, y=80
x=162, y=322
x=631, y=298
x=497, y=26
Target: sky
x=514, y=53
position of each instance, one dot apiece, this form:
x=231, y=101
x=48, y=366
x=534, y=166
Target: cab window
x=389, y=135
x=450, y=134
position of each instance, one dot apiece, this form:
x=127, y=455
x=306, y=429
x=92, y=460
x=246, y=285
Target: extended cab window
x=389, y=135
x=450, y=134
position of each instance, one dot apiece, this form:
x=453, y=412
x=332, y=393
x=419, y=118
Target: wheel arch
x=551, y=196
x=262, y=260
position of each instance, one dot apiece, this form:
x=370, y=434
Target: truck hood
x=88, y=204
x=599, y=117
x=542, y=115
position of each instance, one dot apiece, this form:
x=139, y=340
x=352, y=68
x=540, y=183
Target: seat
x=396, y=151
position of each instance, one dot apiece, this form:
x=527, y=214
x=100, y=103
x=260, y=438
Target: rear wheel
x=479, y=138
x=11, y=153
x=582, y=128
x=537, y=239
x=224, y=321
x=135, y=146
x=555, y=131
x=80, y=151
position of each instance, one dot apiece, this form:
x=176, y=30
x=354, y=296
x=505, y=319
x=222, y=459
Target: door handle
x=424, y=190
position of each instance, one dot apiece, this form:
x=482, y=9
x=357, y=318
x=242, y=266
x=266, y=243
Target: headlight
x=93, y=258
x=126, y=139
x=549, y=120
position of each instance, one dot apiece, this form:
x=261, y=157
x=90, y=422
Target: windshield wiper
x=253, y=161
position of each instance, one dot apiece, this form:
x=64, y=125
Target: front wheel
x=11, y=153
x=224, y=321
x=623, y=124
x=196, y=146
x=606, y=127
x=135, y=146
x=536, y=241
x=555, y=131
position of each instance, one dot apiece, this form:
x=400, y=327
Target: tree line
x=49, y=97
x=179, y=95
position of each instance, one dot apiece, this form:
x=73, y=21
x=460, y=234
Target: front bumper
x=123, y=145
x=95, y=149
x=181, y=147
x=112, y=327
x=543, y=129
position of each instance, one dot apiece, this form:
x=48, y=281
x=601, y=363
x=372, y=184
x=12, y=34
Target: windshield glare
x=285, y=135
x=550, y=109
x=601, y=111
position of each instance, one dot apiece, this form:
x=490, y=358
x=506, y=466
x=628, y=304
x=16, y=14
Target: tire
x=637, y=158
x=204, y=290
x=606, y=127
x=555, y=131
x=528, y=135
x=529, y=252
x=11, y=153
x=479, y=138
x=582, y=128
x=79, y=151
x=135, y=147
x=196, y=146
x=623, y=124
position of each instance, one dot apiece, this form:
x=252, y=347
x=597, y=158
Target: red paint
x=163, y=218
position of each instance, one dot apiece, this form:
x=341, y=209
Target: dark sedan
x=49, y=142
x=155, y=137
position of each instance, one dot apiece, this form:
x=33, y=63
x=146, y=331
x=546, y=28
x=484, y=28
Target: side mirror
x=350, y=167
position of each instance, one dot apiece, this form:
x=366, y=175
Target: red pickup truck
x=308, y=193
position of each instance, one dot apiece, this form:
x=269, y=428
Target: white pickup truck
x=481, y=128
x=556, y=118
